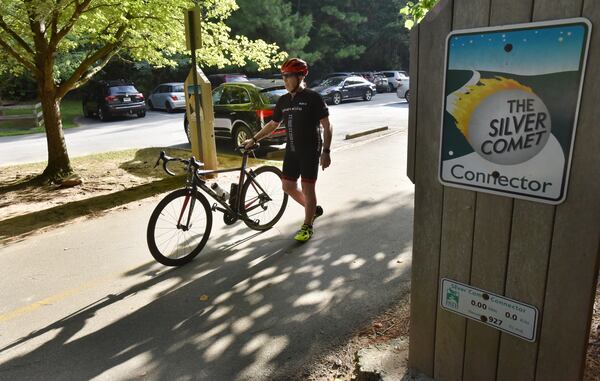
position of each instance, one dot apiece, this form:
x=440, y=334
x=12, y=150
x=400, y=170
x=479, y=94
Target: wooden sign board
x=496, y=311
x=511, y=103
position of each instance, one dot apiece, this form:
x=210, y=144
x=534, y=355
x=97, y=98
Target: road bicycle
x=181, y=222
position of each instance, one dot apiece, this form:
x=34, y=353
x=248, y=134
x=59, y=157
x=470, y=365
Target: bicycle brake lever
x=161, y=156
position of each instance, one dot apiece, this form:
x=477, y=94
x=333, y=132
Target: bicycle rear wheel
x=174, y=235
x=262, y=199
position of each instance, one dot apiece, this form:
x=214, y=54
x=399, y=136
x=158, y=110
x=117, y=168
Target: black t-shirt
x=301, y=116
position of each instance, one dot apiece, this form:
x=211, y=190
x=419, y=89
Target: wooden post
x=203, y=135
x=544, y=255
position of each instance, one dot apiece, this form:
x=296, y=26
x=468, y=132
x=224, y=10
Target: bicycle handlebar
x=195, y=163
x=166, y=159
x=243, y=148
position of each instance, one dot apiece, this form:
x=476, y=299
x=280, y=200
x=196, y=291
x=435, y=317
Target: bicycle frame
x=194, y=181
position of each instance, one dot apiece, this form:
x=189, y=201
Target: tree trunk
x=59, y=165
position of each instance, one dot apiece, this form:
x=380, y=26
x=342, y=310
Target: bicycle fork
x=186, y=201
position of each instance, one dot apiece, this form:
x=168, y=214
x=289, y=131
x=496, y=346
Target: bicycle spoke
x=177, y=230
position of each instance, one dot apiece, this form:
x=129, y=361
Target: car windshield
x=122, y=90
x=332, y=81
x=389, y=75
x=271, y=96
x=178, y=89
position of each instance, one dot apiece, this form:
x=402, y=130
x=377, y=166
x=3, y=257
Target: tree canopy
x=329, y=34
x=414, y=12
x=63, y=43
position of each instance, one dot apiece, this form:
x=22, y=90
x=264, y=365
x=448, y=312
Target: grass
x=110, y=179
x=70, y=109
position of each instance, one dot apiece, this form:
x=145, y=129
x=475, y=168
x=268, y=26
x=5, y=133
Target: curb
x=367, y=132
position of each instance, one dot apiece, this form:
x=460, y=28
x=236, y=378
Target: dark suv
x=241, y=109
x=113, y=98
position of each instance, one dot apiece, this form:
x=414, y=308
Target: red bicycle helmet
x=295, y=65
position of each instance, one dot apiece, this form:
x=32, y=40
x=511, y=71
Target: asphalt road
x=163, y=129
x=86, y=301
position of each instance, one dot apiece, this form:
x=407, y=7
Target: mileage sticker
x=511, y=102
x=516, y=318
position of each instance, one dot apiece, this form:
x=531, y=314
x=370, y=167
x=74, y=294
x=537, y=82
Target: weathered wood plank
x=510, y=11
x=525, y=282
x=574, y=257
x=556, y=9
x=510, y=363
x=428, y=190
x=455, y=264
x=412, y=107
x=457, y=234
x=490, y=240
x=493, y=219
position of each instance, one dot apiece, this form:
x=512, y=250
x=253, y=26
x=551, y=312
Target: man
x=302, y=111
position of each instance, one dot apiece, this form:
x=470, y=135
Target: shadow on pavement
x=271, y=307
x=149, y=181
x=21, y=226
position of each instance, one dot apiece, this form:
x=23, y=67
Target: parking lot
x=160, y=128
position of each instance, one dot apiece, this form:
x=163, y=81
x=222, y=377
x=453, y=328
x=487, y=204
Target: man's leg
x=310, y=201
x=291, y=187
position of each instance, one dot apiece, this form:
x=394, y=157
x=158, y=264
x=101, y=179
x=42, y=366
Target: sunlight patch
x=314, y=298
x=348, y=258
x=218, y=348
x=242, y=325
x=219, y=313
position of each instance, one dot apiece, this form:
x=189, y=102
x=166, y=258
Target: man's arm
x=327, y=134
x=265, y=131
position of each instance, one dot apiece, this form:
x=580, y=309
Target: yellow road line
x=10, y=315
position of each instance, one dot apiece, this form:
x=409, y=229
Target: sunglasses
x=289, y=75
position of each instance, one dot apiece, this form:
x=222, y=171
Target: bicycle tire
x=170, y=208
x=269, y=179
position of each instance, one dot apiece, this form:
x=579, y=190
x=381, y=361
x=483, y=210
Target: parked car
x=217, y=79
x=403, y=90
x=336, y=89
x=241, y=109
x=317, y=82
x=107, y=99
x=167, y=96
x=394, y=77
x=380, y=81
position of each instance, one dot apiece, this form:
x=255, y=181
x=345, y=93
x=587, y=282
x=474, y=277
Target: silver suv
x=395, y=77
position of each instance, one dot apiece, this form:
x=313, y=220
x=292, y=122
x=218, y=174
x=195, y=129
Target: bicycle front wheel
x=175, y=234
x=262, y=199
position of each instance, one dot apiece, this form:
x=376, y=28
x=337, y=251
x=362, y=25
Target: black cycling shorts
x=296, y=164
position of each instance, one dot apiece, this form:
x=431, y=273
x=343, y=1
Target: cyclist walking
x=303, y=112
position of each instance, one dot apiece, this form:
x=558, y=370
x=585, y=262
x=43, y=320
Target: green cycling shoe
x=304, y=233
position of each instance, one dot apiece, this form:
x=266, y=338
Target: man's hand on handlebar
x=250, y=143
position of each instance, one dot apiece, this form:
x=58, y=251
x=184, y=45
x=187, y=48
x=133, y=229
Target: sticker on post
x=516, y=318
x=511, y=103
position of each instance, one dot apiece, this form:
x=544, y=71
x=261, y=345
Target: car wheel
x=102, y=115
x=336, y=99
x=391, y=88
x=368, y=95
x=407, y=97
x=168, y=107
x=86, y=112
x=141, y=114
x=240, y=134
x=150, y=105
